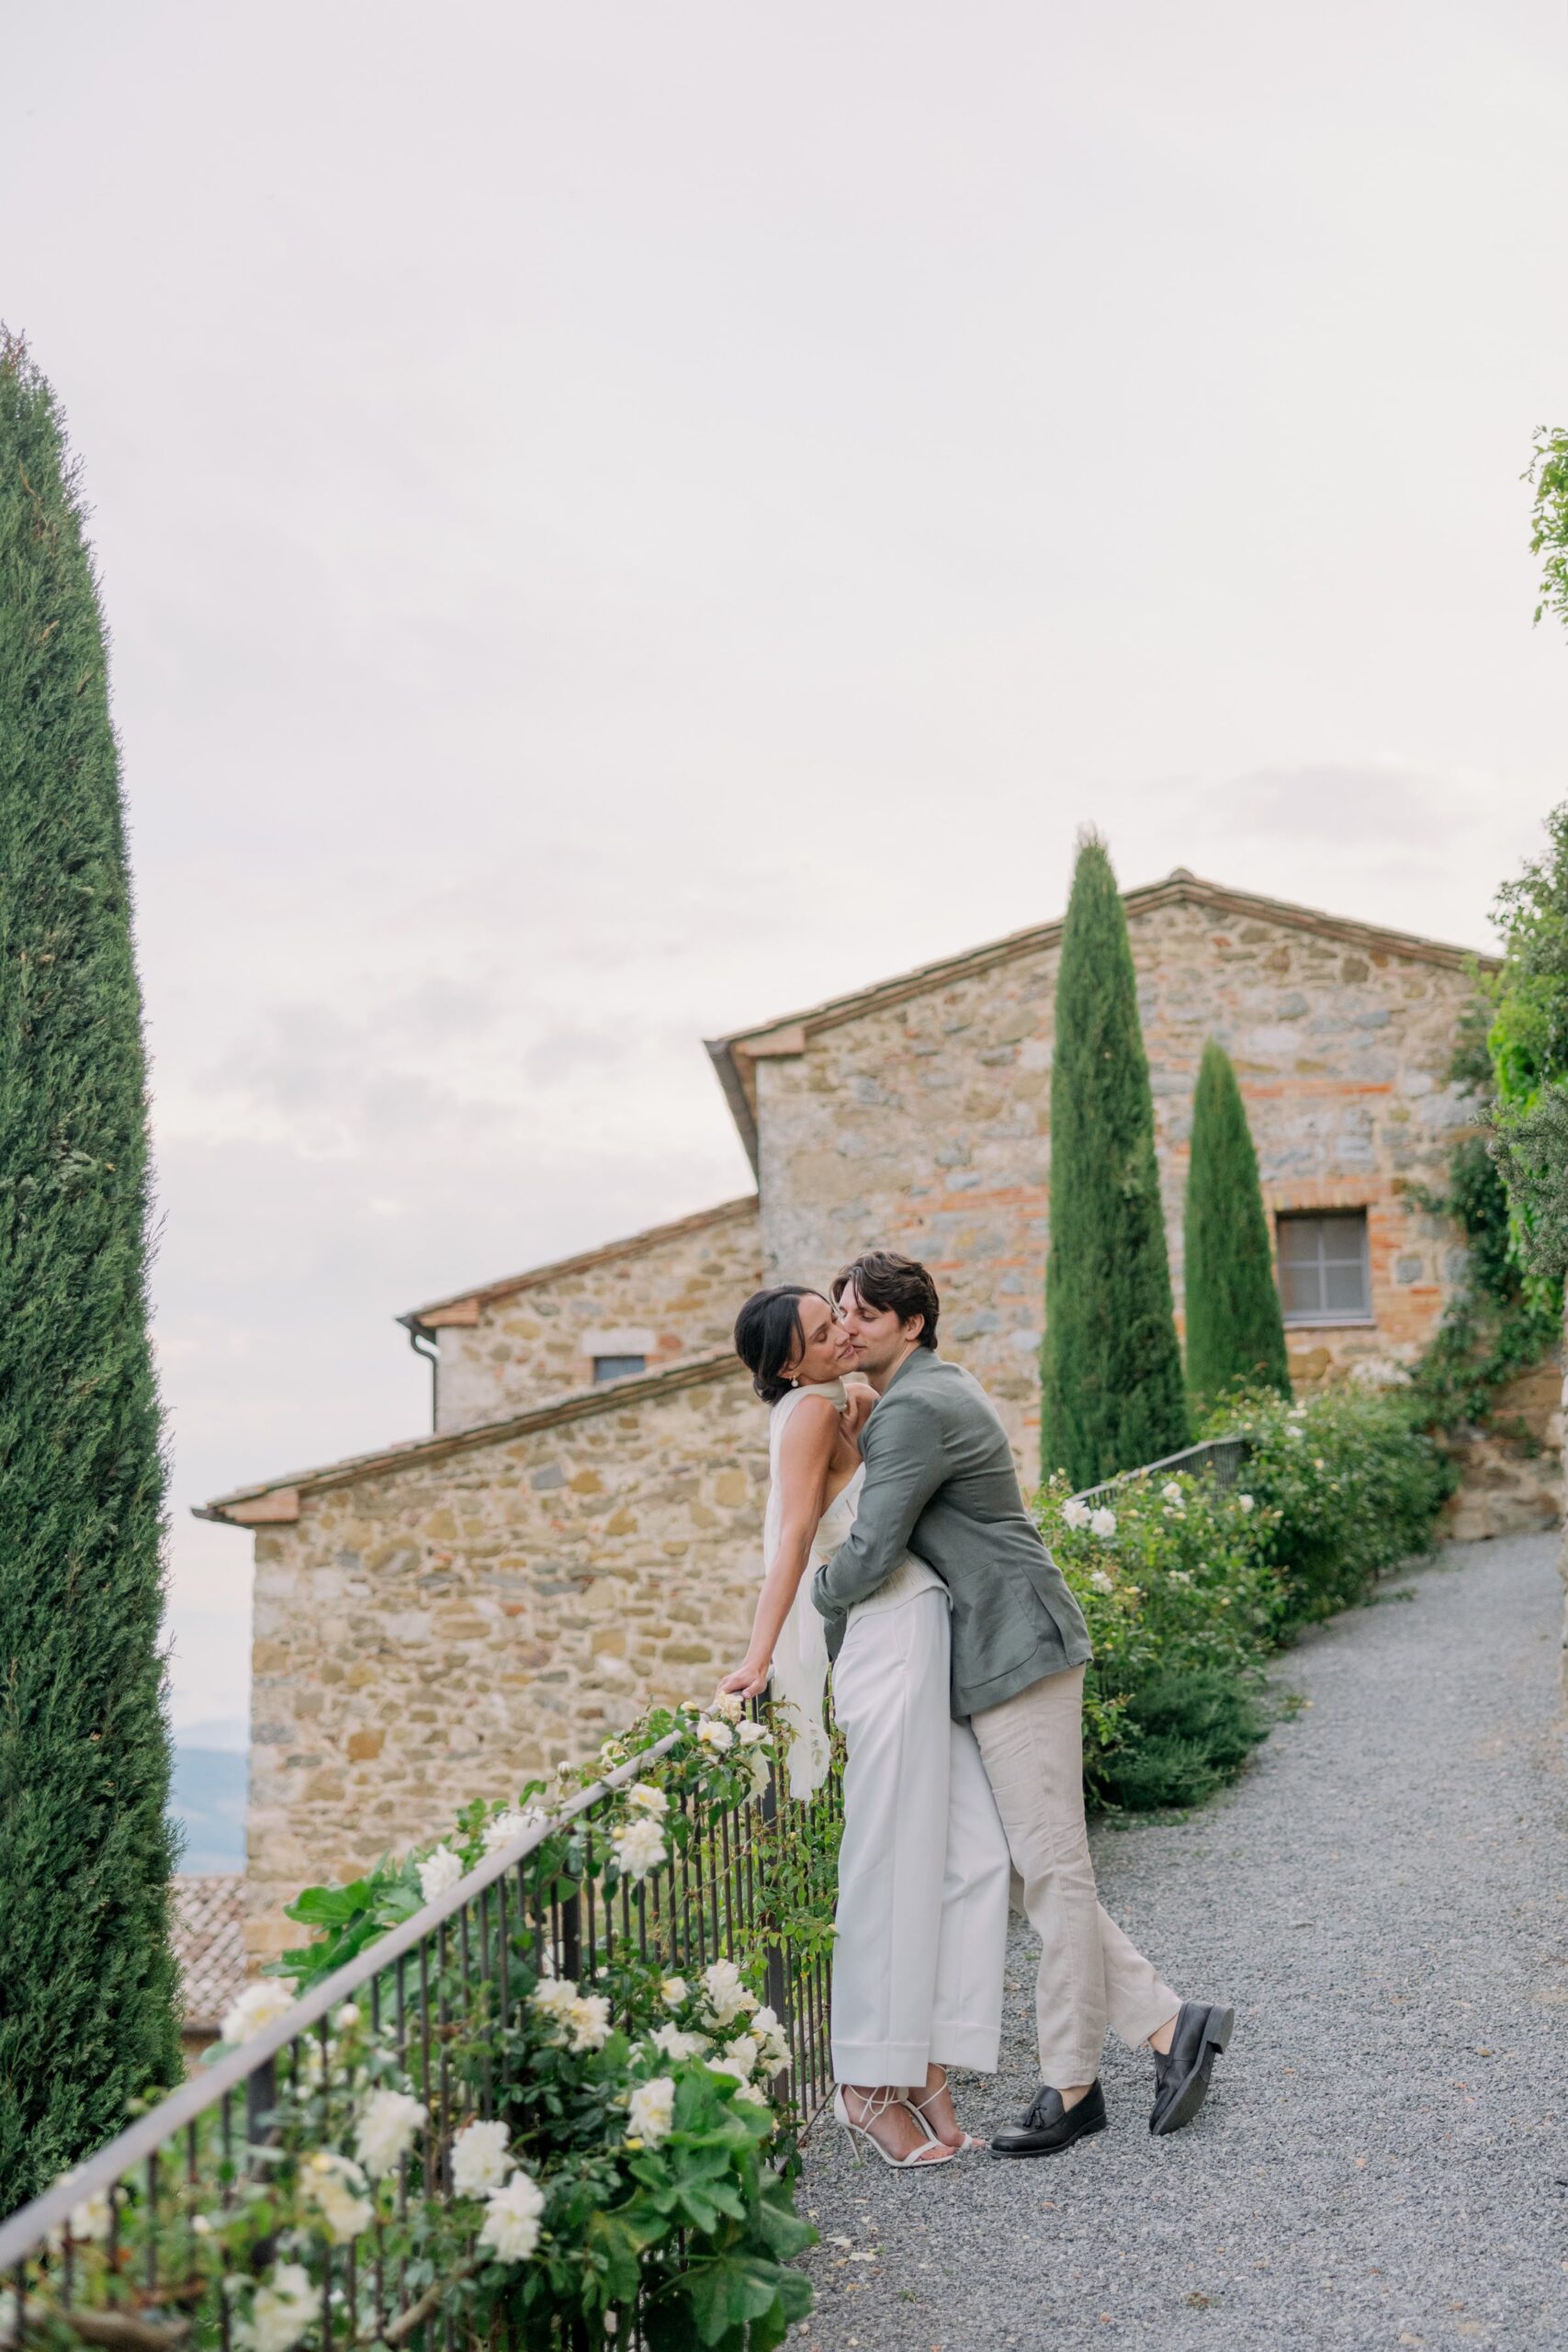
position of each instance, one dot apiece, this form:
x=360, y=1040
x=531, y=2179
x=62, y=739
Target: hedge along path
x=1384, y=1897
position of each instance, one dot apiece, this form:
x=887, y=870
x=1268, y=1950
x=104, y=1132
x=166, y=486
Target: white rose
x=1170, y=1492
x=1245, y=1502
x=588, y=2023
x=751, y=1734
x=89, y=2223
x=725, y=1996
x=651, y=2110
x=1104, y=1524
x=774, y=2041
x=738, y=2057
x=512, y=2219
x=281, y=2312
x=714, y=1733
x=330, y=2182
x=675, y=2045
x=259, y=2005
x=1101, y=1581
x=638, y=1847
x=754, y=2093
x=1074, y=1512
x=439, y=1874
x=387, y=2123
x=505, y=1826
x=553, y=1996
x=347, y=2016
x=730, y=1705
x=673, y=1991
x=646, y=1798
x=482, y=2158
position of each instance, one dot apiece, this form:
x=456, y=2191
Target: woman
x=920, y=1924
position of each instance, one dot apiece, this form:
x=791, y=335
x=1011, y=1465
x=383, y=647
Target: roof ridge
x=281, y=1496
x=631, y=1246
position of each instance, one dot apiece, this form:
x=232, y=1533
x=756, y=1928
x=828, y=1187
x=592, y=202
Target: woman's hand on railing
x=748, y=1681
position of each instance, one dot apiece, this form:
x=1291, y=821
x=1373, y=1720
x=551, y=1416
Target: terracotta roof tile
x=209, y=1944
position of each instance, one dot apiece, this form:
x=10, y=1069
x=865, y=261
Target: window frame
x=631, y=1367
x=1321, y=1316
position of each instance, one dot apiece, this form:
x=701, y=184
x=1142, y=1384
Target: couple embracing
x=898, y=1547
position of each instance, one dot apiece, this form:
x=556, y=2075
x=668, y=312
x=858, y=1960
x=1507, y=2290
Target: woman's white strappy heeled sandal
x=969, y=2144
x=919, y=2159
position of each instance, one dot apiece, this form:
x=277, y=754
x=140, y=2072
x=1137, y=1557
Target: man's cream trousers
x=1090, y=1976
x=923, y=1870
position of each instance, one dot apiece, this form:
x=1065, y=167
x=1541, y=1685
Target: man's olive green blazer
x=940, y=1482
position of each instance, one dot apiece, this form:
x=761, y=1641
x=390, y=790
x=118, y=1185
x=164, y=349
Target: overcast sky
x=619, y=521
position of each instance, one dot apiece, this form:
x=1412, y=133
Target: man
x=940, y=1482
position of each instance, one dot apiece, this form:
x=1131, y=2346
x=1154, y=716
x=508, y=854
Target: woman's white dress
x=923, y=1867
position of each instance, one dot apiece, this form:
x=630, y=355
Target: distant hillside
x=207, y=1801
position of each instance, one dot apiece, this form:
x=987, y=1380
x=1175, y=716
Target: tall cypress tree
x=1112, y=1392
x=1234, y=1329
x=87, y=1981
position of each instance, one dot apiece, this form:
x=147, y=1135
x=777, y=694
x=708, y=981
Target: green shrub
x=1182, y=1603
x=1188, y=1586
x=1350, y=1485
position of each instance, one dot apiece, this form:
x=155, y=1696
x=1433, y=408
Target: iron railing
x=449, y=1976
x=1220, y=1458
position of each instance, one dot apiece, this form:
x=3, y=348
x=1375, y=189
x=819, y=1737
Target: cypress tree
x=1112, y=1393
x=1235, y=1329
x=88, y=2015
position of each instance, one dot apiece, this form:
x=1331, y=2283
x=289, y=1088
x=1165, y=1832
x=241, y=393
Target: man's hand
x=859, y=1398
x=748, y=1681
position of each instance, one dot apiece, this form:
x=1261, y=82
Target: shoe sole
x=1084, y=2132
x=1194, y=2089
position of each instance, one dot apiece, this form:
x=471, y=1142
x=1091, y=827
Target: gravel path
x=1384, y=2160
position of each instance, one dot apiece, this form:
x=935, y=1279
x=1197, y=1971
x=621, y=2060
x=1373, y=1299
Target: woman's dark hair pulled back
x=768, y=1332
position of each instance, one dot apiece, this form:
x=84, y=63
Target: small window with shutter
x=1324, y=1271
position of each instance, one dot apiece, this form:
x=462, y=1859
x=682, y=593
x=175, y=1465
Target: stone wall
x=448, y=1624
x=675, y=1290
x=925, y=1123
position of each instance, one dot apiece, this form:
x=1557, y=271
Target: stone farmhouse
x=579, y=1532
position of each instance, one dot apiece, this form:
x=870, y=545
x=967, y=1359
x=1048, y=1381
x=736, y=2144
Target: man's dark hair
x=890, y=1282
x=768, y=1332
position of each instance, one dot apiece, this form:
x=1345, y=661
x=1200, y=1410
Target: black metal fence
x=117, y=2253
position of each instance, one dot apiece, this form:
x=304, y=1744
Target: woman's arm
x=803, y=1459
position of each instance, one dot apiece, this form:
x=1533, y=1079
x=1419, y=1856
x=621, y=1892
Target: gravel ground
x=1384, y=2159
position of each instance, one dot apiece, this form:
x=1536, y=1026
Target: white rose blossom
x=646, y=1798
x=89, y=2222
x=673, y=1991
x=552, y=1997
x=1104, y=1524
x=1170, y=1492
x=259, y=2005
x=282, y=2312
x=482, y=2158
x=505, y=1826
x=738, y=2057
x=1074, y=1512
x=511, y=2228
x=754, y=2093
x=1101, y=1581
x=439, y=1874
x=751, y=1734
x=638, y=1847
x=674, y=2043
x=730, y=1705
x=588, y=2023
x=389, y=2122
x=1245, y=1502
x=347, y=2016
x=332, y=2183
x=714, y=1732
x=775, y=2044
x=725, y=1996
x=651, y=2110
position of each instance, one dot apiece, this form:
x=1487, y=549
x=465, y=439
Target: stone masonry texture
x=451, y=1627
x=679, y=1288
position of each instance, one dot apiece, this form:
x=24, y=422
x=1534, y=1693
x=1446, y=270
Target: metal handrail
x=30, y=2223
x=1209, y=1453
